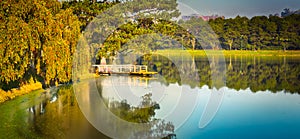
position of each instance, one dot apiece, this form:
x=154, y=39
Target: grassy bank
x=25, y=89
x=228, y=53
x=30, y=87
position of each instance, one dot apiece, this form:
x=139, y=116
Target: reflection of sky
x=232, y=8
x=244, y=114
x=118, y=88
x=132, y=89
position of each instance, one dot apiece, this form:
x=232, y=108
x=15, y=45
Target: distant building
x=205, y=18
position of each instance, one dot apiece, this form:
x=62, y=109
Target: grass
x=25, y=89
x=228, y=53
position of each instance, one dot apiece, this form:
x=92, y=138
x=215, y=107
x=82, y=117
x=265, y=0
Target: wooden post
x=134, y=68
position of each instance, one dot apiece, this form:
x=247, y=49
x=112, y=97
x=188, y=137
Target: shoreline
x=28, y=88
x=16, y=92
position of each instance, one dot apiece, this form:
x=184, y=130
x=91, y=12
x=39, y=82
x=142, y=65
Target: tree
x=37, y=39
x=15, y=52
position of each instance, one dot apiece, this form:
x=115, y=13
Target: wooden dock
x=139, y=70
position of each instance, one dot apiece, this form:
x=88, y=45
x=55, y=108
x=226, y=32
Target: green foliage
x=258, y=33
x=146, y=34
x=86, y=10
x=240, y=33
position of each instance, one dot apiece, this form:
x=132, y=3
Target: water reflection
x=257, y=73
x=118, y=118
x=262, y=96
x=48, y=97
x=57, y=115
x=58, y=111
x=143, y=112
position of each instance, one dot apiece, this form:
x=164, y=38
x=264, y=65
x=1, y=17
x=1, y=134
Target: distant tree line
x=240, y=33
x=259, y=32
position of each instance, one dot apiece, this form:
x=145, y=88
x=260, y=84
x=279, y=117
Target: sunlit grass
x=25, y=89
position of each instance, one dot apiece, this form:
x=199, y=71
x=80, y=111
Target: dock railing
x=121, y=68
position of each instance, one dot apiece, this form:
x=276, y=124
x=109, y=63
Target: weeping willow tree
x=38, y=39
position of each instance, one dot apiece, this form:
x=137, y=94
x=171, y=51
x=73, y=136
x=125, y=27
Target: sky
x=232, y=8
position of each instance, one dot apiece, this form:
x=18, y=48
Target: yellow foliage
x=25, y=89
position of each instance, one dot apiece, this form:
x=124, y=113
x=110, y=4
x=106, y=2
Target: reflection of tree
x=178, y=70
x=58, y=118
x=182, y=71
x=257, y=73
x=46, y=117
x=159, y=128
x=143, y=113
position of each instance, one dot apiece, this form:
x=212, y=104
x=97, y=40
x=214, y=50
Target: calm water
x=260, y=99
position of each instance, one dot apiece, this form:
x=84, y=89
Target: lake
x=255, y=97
